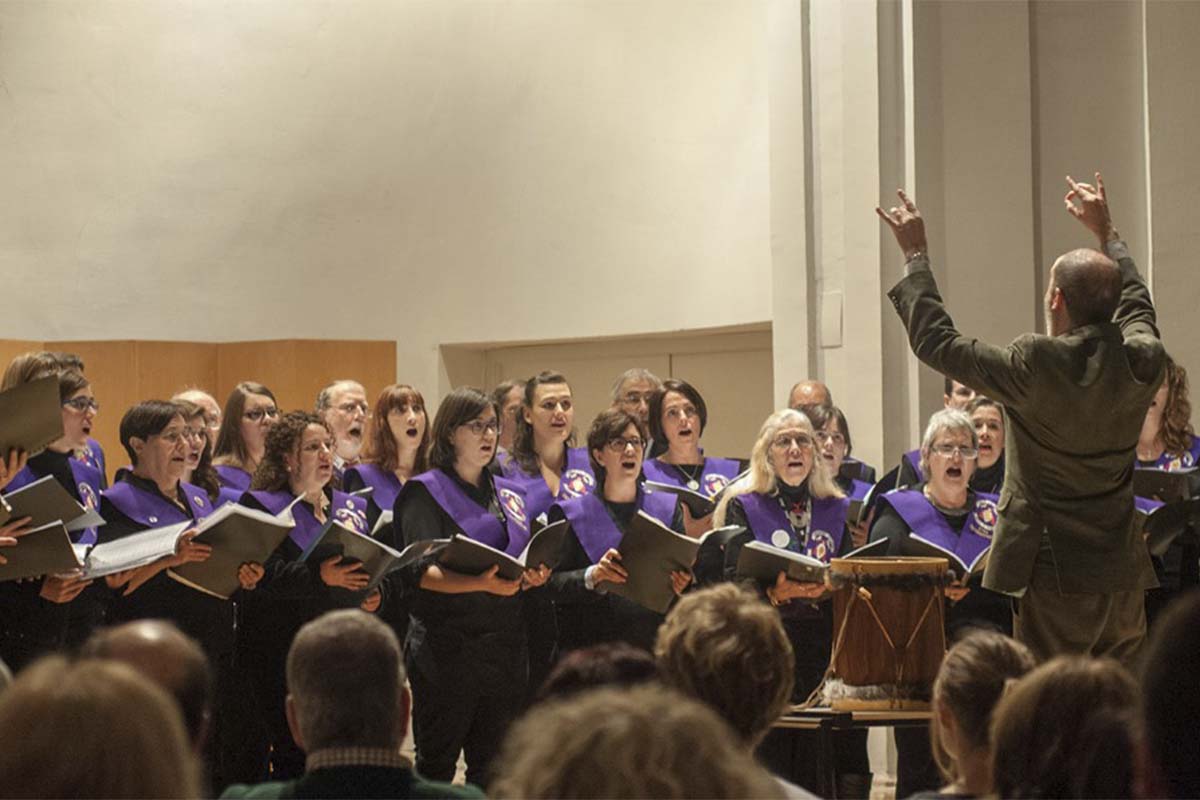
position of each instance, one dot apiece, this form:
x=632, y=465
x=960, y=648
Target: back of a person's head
x=610, y=664
x=971, y=680
x=169, y=657
x=1171, y=699
x=1068, y=729
x=345, y=679
x=726, y=647
x=645, y=741
x=93, y=728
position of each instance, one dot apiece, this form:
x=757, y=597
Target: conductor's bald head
x=1085, y=286
x=165, y=655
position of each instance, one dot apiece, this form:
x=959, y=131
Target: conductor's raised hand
x=1092, y=210
x=492, y=583
x=609, y=568
x=347, y=575
x=907, y=226
x=11, y=464
x=11, y=531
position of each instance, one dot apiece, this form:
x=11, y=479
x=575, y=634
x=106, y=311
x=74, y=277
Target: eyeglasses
x=194, y=433
x=479, y=427
x=257, y=414
x=212, y=424
x=172, y=437
x=620, y=444
x=680, y=412
x=786, y=441
x=825, y=437
x=80, y=405
x=350, y=408
x=949, y=451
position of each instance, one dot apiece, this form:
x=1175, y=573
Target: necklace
x=692, y=476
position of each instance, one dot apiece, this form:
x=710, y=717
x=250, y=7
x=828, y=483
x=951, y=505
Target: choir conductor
x=1066, y=544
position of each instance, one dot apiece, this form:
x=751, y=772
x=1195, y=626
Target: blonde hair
x=724, y=646
x=92, y=729
x=645, y=741
x=760, y=478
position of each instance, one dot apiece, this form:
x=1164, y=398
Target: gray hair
x=345, y=675
x=947, y=420
x=325, y=396
x=634, y=374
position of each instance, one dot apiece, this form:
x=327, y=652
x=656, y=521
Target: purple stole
x=595, y=529
x=227, y=494
x=577, y=480
x=154, y=511
x=92, y=454
x=715, y=475
x=913, y=457
x=233, y=477
x=350, y=511
x=384, y=484
x=88, y=485
x=770, y=524
x=928, y=523
x=859, y=489
x=1185, y=460
x=477, y=522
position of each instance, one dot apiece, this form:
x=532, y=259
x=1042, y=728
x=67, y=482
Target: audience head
x=988, y=417
x=154, y=436
x=727, y=648
x=809, y=393
x=971, y=680
x=345, y=680
x=211, y=408
x=250, y=410
x=343, y=406
x=957, y=395
x=644, y=741
x=164, y=654
x=611, y=664
x=1172, y=700
x=832, y=434
x=546, y=418
x=949, y=451
x=616, y=444
x=508, y=397
x=631, y=392
x=1068, y=729
x=1084, y=288
x=92, y=729
x=465, y=430
x=678, y=415
x=399, y=424
x=298, y=455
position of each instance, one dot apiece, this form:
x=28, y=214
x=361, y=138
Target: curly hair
x=644, y=741
x=760, y=477
x=283, y=439
x=725, y=647
x=1175, y=430
x=381, y=448
x=523, y=451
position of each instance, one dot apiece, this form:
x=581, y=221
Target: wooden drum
x=888, y=632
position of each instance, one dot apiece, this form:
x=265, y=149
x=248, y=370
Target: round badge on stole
x=781, y=538
x=693, y=485
x=198, y=500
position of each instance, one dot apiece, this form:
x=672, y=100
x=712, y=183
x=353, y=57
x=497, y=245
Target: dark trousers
x=916, y=771
x=448, y=719
x=1052, y=623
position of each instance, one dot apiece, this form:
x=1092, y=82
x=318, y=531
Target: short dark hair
x=283, y=438
x=1171, y=699
x=146, y=419
x=457, y=408
x=229, y=438
x=656, y=405
x=1090, y=284
x=609, y=424
x=948, y=384
x=820, y=414
x=610, y=664
x=522, y=450
x=501, y=390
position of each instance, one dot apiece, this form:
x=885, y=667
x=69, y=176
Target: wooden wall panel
x=11, y=348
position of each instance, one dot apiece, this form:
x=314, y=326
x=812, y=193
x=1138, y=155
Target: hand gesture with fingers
x=680, y=580
x=373, y=601
x=1092, y=210
x=492, y=583
x=609, y=568
x=347, y=575
x=533, y=578
x=249, y=574
x=11, y=531
x=62, y=588
x=907, y=226
x=187, y=550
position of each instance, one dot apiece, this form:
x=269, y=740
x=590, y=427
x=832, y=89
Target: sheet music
x=135, y=550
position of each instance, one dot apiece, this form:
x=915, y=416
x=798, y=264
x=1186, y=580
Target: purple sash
x=88, y=485
x=595, y=529
x=92, y=454
x=913, y=457
x=477, y=522
x=577, y=480
x=770, y=524
x=384, y=483
x=154, y=511
x=233, y=477
x=926, y=521
x=346, y=509
x=859, y=489
x=1186, y=460
x=715, y=474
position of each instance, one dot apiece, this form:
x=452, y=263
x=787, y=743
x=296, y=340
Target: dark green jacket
x=351, y=782
x=1074, y=408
